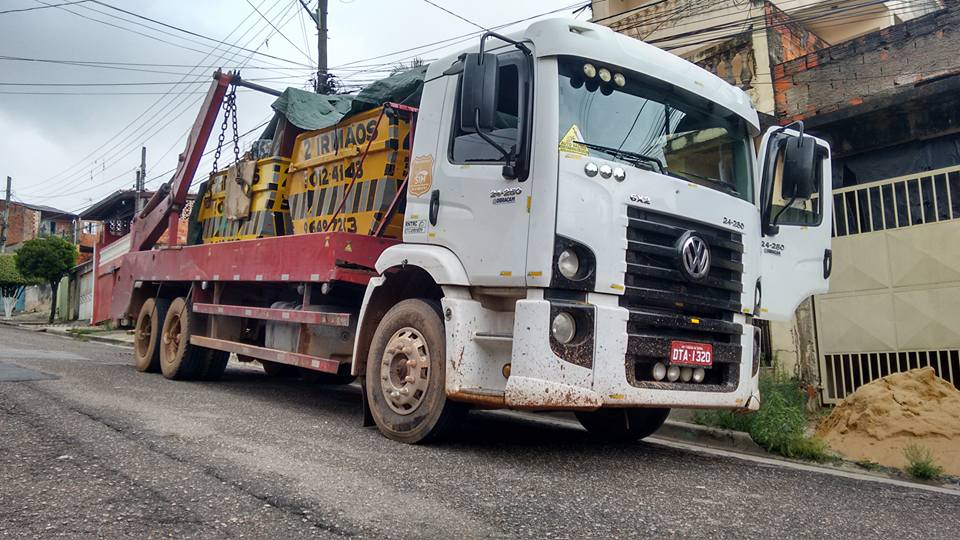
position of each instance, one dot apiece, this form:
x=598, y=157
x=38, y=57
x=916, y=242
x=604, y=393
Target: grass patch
x=920, y=462
x=780, y=424
x=868, y=465
x=85, y=331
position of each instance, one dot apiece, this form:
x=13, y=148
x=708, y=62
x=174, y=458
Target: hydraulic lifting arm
x=163, y=209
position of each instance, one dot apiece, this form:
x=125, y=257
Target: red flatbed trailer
x=304, y=258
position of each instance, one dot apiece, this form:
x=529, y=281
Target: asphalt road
x=104, y=451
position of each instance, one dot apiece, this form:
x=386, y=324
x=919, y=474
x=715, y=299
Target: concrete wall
x=874, y=65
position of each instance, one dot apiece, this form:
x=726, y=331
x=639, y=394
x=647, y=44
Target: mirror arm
x=487, y=138
x=526, y=50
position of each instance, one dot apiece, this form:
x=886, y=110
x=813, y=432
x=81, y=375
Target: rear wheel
x=405, y=378
x=146, y=336
x=623, y=425
x=179, y=359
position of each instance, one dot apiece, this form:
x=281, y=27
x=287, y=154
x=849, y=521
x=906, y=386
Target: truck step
x=269, y=314
x=274, y=355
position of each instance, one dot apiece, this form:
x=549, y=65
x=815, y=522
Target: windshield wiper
x=726, y=186
x=626, y=155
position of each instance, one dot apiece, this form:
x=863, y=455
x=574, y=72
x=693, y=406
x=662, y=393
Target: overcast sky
x=67, y=150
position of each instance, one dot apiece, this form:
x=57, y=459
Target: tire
x=179, y=360
x=146, y=340
x=276, y=369
x=423, y=413
x=623, y=425
x=214, y=363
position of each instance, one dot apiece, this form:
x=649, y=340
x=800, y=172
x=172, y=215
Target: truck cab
x=603, y=230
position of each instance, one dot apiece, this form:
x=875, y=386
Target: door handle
x=827, y=263
x=434, y=206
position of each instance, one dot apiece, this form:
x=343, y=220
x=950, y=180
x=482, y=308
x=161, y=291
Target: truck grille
x=665, y=306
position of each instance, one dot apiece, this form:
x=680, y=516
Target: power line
x=264, y=17
x=160, y=100
x=42, y=7
x=461, y=17
x=173, y=27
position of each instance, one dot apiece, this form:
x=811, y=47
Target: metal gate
x=894, y=299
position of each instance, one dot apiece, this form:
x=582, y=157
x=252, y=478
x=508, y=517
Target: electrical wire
x=42, y=7
x=461, y=17
x=146, y=121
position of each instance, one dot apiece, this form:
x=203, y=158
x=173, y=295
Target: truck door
x=478, y=212
x=795, y=256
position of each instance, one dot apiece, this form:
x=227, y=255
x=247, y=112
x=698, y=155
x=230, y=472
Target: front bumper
x=540, y=379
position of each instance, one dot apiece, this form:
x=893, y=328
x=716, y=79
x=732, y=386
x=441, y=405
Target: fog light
x=619, y=80
x=568, y=263
x=605, y=75
x=673, y=373
x=589, y=71
x=686, y=373
x=659, y=371
x=505, y=370
x=699, y=374
x=564, y=328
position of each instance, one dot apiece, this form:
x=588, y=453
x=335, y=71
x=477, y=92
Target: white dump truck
x=564, y=218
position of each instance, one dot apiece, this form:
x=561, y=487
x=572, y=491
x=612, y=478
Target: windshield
x=645, y=123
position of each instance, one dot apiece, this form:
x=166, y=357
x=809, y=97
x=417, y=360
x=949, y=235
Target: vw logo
x=694, y=256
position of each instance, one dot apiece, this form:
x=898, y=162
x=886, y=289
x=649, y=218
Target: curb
x=708, y=436
x=89, y=337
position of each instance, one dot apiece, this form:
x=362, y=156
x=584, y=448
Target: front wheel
x=623, y=425
x=405, y=378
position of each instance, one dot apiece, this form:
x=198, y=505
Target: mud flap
x=367, y=420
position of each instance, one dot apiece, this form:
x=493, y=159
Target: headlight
x=589, y=71
x=605, y=75
x=619, y=80
x=568, y=263
x=564, y=328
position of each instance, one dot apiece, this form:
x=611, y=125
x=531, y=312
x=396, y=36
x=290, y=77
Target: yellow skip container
x=326, y=161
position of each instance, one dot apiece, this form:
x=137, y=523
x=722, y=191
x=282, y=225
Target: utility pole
x=322, y=79
x=141, y=178
x=322, y=84
x=6, y=217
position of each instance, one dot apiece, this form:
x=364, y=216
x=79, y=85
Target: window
x=671, y=132
x=470, y=147
x=803, y=212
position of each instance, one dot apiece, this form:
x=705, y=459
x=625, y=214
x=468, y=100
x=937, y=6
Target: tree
x=47, y=259
x=10, y=282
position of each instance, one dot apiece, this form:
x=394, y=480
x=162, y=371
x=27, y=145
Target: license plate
x=687, y=353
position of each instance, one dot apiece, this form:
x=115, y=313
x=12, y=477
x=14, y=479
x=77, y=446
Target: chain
x=236, y=134
x=227, y=110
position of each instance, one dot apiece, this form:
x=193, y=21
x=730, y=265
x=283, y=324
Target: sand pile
x=882, y=417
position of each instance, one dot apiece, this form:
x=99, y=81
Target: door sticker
x=568, y=144
x=421, y=175
x=505, y=196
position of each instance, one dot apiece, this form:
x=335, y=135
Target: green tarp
x=309, y=111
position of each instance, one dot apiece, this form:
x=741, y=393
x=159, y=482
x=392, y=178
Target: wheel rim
x=405, y=371
x=171, y=337
x=144, y=335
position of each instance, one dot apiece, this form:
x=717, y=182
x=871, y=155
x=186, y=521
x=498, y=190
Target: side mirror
x=799, y=168
x=478, y=93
